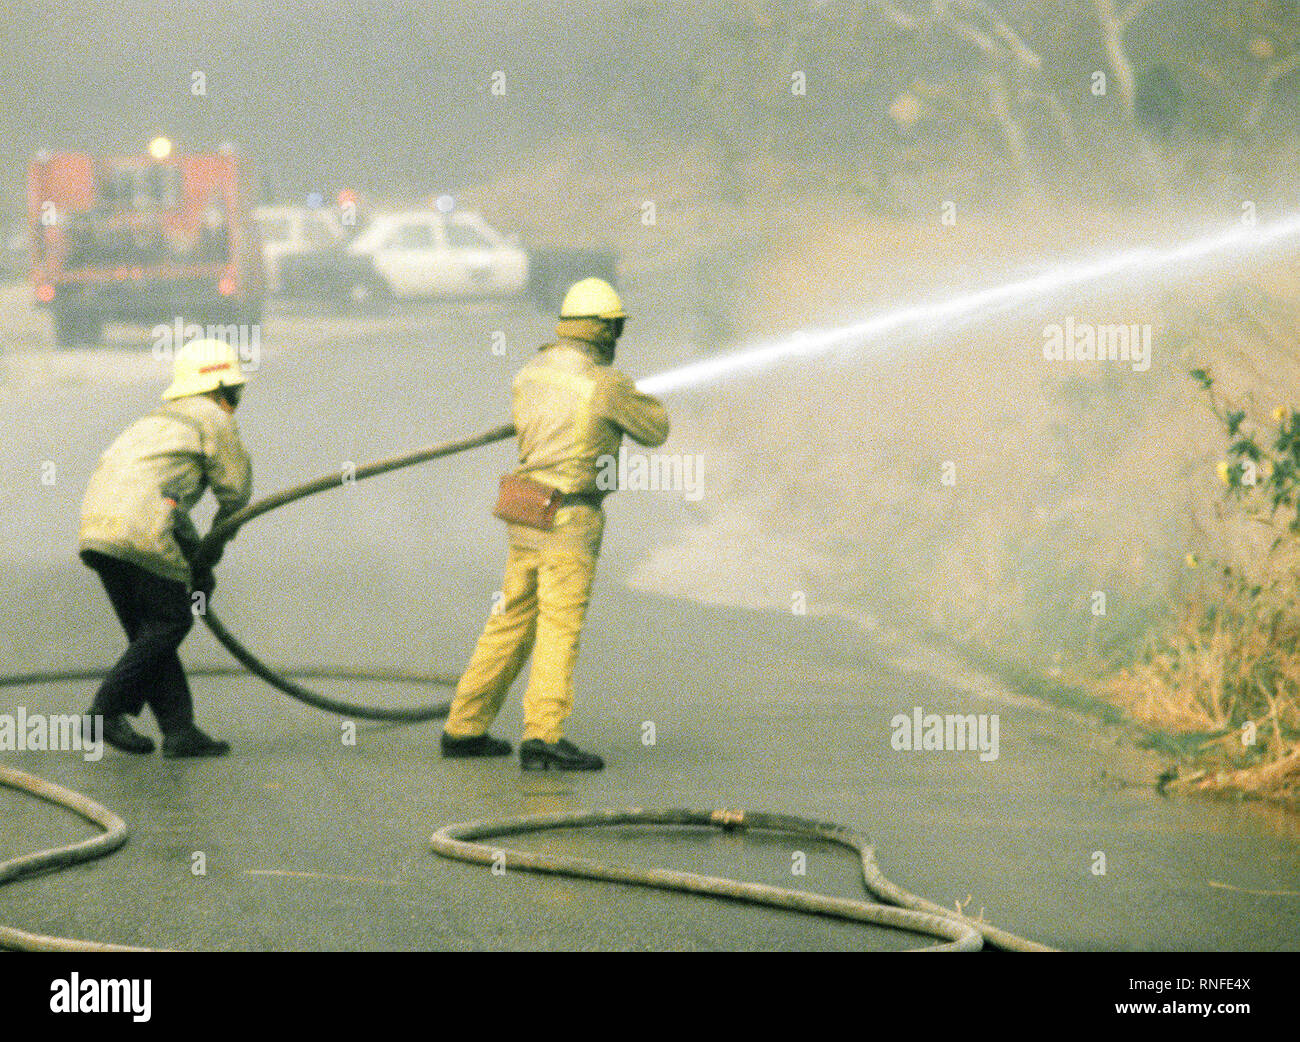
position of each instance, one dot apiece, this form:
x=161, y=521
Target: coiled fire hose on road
x=903, y=910
x=114, y=835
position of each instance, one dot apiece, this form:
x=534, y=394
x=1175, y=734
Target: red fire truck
x=143, y=239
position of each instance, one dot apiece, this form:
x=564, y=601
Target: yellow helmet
x=592, y=298
x=202, y=366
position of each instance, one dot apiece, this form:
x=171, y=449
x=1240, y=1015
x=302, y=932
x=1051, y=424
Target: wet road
x=311, y=843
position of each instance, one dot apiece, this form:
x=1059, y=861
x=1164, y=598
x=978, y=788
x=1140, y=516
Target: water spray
x=806, y=344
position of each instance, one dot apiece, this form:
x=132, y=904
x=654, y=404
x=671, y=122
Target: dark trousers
x=155, y=612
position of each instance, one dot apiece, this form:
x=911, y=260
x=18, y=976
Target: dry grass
x=1231, y=666
x=1230, y=672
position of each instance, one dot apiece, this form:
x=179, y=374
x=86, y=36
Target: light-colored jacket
x=138, y=501
x=571, y=412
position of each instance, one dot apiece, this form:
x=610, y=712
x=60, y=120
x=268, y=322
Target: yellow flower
x=1279, y=414
x=1192, y=561
x=1222, y=471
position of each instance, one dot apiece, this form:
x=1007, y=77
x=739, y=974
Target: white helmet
x=202, y=366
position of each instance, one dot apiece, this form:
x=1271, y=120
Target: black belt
x=591, y=499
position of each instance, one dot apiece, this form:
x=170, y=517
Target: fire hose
x=114, y=835
x=277, y=679
x=901, y=909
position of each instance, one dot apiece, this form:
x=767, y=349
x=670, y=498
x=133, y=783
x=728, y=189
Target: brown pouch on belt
x=523, y=501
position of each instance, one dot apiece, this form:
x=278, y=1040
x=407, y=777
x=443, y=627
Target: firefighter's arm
x=228, y=469
x=642, y=416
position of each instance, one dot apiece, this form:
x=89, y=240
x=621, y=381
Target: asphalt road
x=309, y=843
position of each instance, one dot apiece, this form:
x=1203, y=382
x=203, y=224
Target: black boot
x=192, y=742
x=536, y=755
x=120, y=735
x=475, y=745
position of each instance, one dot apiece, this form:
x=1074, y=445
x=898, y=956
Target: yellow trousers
x=546, y=590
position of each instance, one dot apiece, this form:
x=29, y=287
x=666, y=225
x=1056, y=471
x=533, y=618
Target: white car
x=427, y=253
x=290, y=232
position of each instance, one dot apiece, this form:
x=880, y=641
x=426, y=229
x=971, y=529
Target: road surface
x=309, y=843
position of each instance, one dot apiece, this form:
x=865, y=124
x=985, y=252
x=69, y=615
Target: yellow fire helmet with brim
x=202, y=366
x=592, y=298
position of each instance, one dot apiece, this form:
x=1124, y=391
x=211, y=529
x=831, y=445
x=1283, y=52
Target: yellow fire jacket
x=137, y=504
x=571, y=411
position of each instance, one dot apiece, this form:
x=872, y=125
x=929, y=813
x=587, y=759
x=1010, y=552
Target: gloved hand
x=204, y=581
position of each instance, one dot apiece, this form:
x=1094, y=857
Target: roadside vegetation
x=1226, y=677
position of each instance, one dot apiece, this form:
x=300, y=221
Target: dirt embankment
x=1063, y=517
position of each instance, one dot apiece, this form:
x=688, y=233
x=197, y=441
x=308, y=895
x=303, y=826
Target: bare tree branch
x=1002, y=29
x=1112, y=37
x=1013, y=134
x=896, y=16
x=980, y=26
x=941, y=13
x=1133, y=11
x=1278, y=70
x=981, y=41
x=1281, y=70
x=1053, y=104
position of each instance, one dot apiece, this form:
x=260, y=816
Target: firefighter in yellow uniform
x=571, y=410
